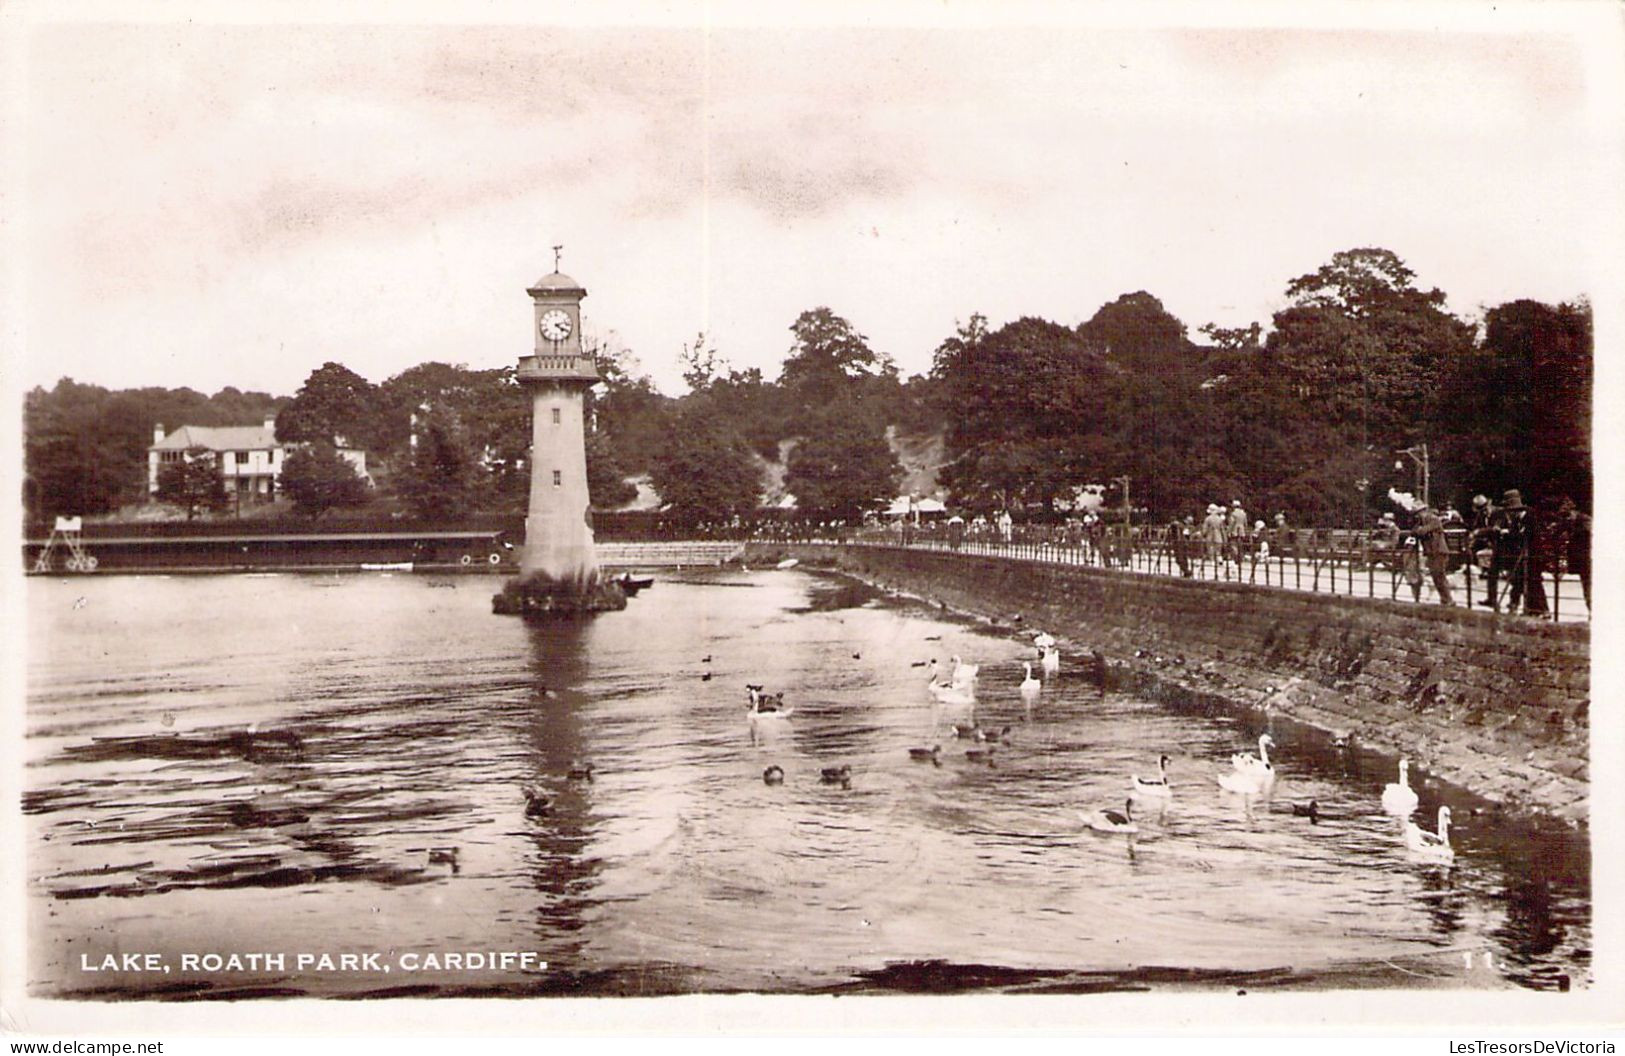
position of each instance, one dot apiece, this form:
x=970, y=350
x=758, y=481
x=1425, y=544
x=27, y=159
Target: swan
x=1154, y=787
x=1244, y=782
x=1398, y=798
x=956, y=694
x=767, y=705
x=964, y=676
x=1030, y=686
x=1043, y=640
x=1432, y=846
x=1051, y=662
x=1114, y=821
x=1261, y=761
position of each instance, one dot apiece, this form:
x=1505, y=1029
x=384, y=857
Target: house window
x=558, y=479
x=555, y=416
x=170, y=456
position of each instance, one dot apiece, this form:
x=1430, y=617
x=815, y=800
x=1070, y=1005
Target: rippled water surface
x=310, y=764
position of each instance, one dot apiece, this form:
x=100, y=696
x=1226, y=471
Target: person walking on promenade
x=1213, y=532
x=1283, y=536
x=1435, y=551
x=1178, y=543
x=1517, y=556
x=1481, y=549
x=1237, y=531
x=1578, y=546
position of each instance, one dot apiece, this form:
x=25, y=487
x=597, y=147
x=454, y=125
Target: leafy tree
x=193, y=482
x=1026, y=413
x=704, y=471
x=827, y=356
x=843, y=468
x=606, y=479
x=317, y=478
x=702, y=364
x=444, y=476
x=333, y=402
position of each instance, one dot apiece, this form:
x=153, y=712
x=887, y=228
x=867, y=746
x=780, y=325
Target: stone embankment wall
x=1494, y=704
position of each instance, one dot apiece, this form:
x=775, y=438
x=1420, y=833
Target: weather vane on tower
x=556, y=251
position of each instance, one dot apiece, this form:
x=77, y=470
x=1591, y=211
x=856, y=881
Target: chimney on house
x=270, y=424
x=158, y=433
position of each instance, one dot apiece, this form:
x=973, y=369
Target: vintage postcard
x=659, y=517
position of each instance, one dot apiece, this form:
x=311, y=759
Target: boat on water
x=630, y=586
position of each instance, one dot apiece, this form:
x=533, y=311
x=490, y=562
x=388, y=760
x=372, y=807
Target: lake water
x=303, y=764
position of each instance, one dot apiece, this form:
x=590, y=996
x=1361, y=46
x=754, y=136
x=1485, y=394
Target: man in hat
x=1179, y=541
x=1435, y=551
x=1236, y=531
x=1516, y=557
x=1578, y=546
x=1213, y=532
x=1481, y=549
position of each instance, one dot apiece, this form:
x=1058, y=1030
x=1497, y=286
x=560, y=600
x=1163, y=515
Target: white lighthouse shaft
x=558, y=540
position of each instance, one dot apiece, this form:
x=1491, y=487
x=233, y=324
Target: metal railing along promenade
x=1344, y=562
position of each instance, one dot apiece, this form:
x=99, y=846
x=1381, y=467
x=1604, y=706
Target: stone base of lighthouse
x=541, y=596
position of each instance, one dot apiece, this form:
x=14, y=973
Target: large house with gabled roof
x=249, y=456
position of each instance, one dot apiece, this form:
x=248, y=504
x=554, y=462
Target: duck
x=537, y=803
x=444, y=856
x=992, y=736
x=1310, y=810
x=1030, y=686
x=1399, y=798
x=773, y=775
x=967, y=733
x=980, y=755
x=932, y=755
x=1114, y=821
x=1050, y=663
x=964, y=676
x=836, y=775
x=580, y=771
x=1432, y=846
x=1154, y=787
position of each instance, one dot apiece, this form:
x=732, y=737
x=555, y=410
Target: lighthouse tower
x=558, y=570
x=558, y=532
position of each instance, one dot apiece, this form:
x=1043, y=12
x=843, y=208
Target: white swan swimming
x=1154, y=787
x=1261, y=761
x=1432, y=846
x=1051, y=662
x=767, y=705
x=1112, y=820
x=1043, y=640
x=1245, y=782
x=1399, y=798
x=1030, y=686
x=964, y=674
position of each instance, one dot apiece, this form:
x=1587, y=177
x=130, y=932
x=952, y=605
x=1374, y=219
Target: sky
x=211, y=204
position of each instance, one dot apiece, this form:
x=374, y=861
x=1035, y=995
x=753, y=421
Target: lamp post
x=1419, y=455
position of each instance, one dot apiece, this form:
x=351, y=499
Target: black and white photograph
x=1071, y=514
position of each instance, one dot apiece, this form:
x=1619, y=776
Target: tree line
x=1359, y=365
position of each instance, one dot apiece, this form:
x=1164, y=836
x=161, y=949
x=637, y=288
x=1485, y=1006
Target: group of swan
x=1254, y=774
x=1400, y=800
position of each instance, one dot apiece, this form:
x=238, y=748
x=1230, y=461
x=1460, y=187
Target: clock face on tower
x=555, y=325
